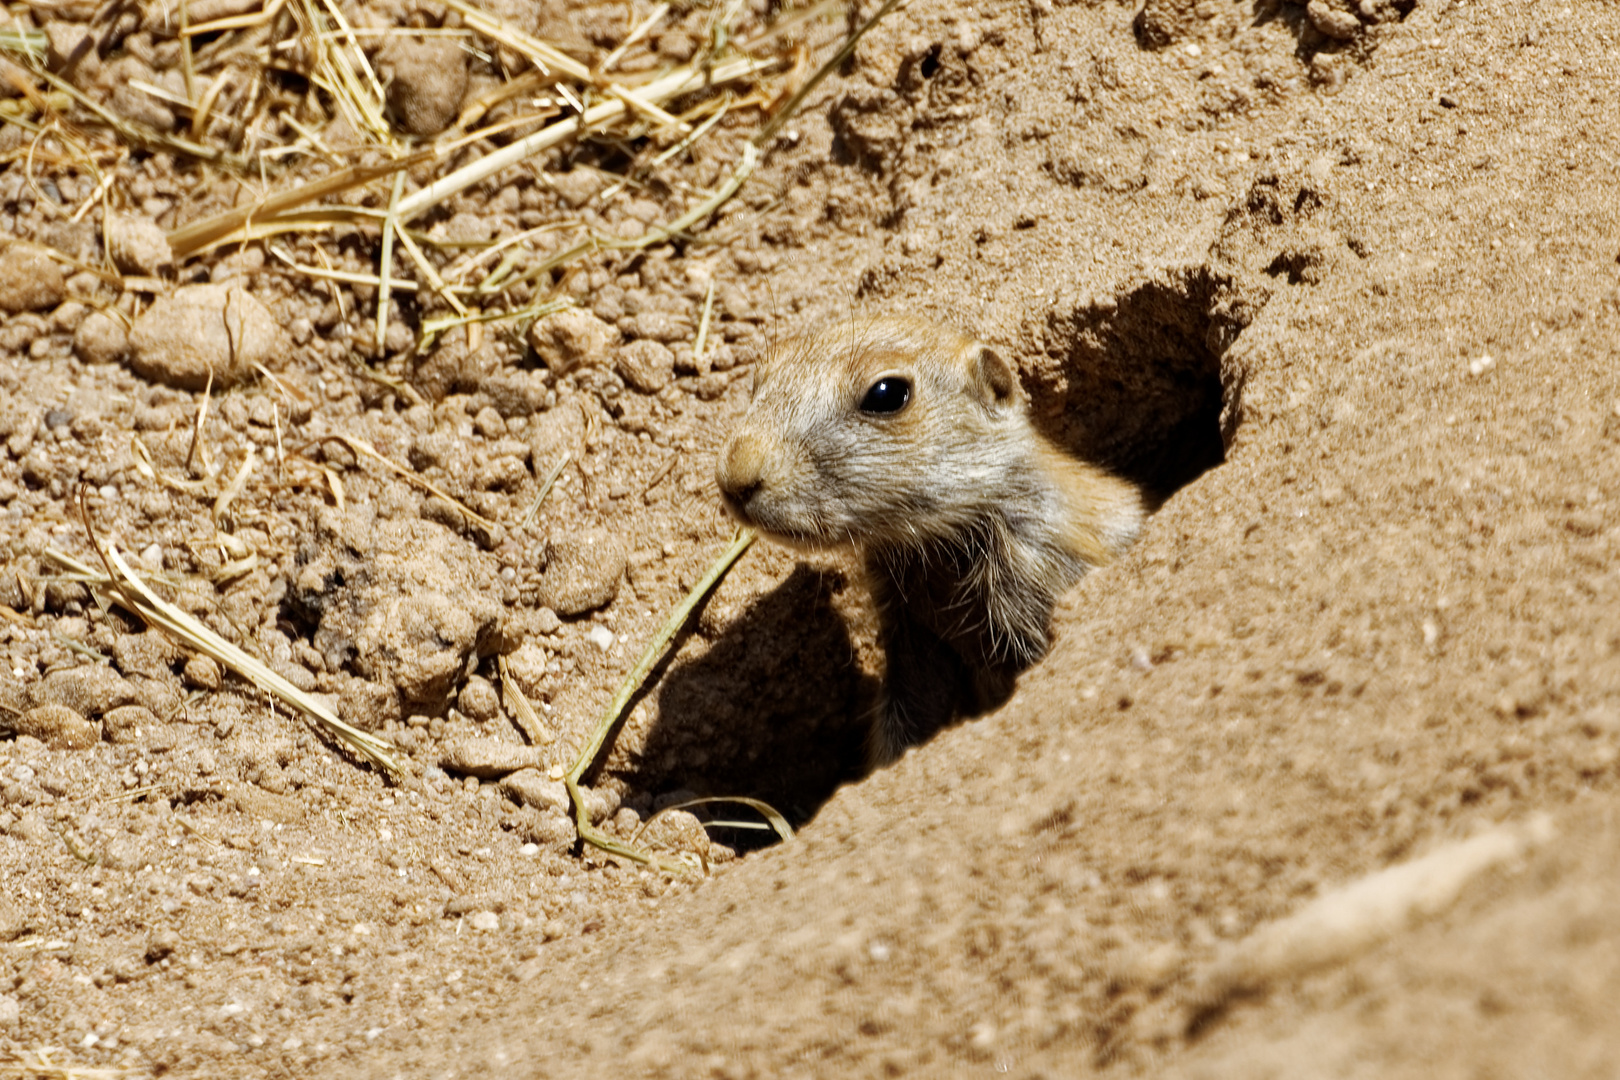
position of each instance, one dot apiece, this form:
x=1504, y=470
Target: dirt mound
x=1320, y=779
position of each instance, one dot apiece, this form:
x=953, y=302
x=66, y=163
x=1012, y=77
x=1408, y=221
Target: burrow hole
x=1133, y=381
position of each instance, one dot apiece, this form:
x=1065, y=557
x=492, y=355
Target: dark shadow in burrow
x=774, y=710
x=1133, y=380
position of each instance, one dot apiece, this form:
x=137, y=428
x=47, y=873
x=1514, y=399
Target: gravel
x=646, y=365
x=58, y=727
x=201, y=329
x=138, y=246
x=570, y=339
x=101, y=339
x=582, y=572
x=30, y=280
x=429, y=81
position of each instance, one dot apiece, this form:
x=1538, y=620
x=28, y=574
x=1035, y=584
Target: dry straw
x=238, y=116
x=125, y=587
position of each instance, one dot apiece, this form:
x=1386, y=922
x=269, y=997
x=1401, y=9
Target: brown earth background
x=1320, y=780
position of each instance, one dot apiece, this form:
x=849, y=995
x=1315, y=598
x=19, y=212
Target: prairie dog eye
x=889, y=394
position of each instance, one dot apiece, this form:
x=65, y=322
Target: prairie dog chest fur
x=913, y=444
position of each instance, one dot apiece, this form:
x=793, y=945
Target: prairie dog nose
x=741, y=472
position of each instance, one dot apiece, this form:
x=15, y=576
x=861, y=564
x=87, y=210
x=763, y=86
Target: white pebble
x=1481, y=364
x=601, y=637
x=484, y=920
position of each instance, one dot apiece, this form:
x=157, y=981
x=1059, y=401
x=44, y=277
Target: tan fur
x=970, y=523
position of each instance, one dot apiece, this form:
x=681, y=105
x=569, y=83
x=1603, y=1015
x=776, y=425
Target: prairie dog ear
x=991, y=377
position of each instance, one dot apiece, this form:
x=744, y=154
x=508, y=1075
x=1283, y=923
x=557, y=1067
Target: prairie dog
x=913, y=444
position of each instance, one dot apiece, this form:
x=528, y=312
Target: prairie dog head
x=884, y=430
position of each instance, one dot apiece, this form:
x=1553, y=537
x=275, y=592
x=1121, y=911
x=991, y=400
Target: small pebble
x=31, y=829
x=203, y=329
x=122, y=854
x=429, y=79
x=101, y=339
x=552, y=830
x=160, y=944
x=600, y=803
x=488, y=758
x=91, y=690
x=30, y=280
x=489, y=423
x=583, y=571
x=570, y=339
x=1480, y=365
x=202, y=673
x=138, y=246
x=647, y=366
x=58, y=727
x=531, y=787
x=663, y=326
x=13, y=921
x=479, y=700
x=129, y=723
x=1332, y=21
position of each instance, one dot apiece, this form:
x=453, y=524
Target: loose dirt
x=1323, y=778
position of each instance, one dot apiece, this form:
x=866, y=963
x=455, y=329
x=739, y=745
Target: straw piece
x=642, y=105
x=774, y=819
x=188, y=71
x=237, y=484
x=360, y=446
x=470, y=261
x=192, y=238
x=134, y=594
x=696, y=134
x=528, y=721
x=627, y=690
x=547, y=58
x=349, y=276
x=546, y=486
x=425, y=268
x=370, y=108
x=431, y=328
x=702, y=338
x=642, y=29
x=596, y=116
x=764, y=134
x=138, y=136
x=385, y=264
x=235, y=22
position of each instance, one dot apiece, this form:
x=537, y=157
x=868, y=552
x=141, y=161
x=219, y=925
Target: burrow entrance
x=1133, y=380
x=777, y=707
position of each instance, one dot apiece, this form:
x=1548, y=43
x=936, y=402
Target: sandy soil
x=1321, y=779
